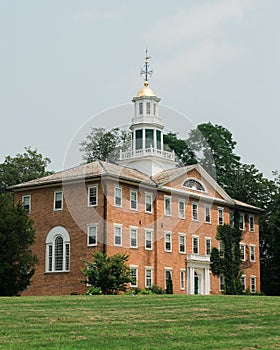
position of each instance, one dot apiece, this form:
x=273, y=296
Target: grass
x=140, y=322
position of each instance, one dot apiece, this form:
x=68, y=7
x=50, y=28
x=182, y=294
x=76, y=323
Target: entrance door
x=195, y=283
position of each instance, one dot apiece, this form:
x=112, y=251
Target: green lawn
x=140, y=322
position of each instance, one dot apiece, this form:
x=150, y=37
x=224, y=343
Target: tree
x=23, y=167
x=228, y=262
x=214, y=148
x=101, y=144
x=181, y=148
x=109, y=273
x=17, y=263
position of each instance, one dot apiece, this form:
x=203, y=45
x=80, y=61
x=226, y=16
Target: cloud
x=198, y=21
x=196, y=60
x=193, y=36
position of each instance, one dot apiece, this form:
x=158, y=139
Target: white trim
x=242, y=215
x=221, y=210
x=136, y=280
x=252, y=216
x=148, y=231
x=208, y=239
x=244, y=247
x=254, y=250
x=208, y=206
x=184, y=236
x=184, y=279
x=195, y=237
x=29, y=201
x=88, y=235
x=136, y=200
x=115, y=196
x=195, y=219
x=169, y=198
x=253, y=277
x=148, y=194
x=180, y=200
x=89, y=188
x=136, y=229
x=54, y=200
x=120, y=226
x=196, y=180
x=165, y=241
x=54, y=233
x=149, y=268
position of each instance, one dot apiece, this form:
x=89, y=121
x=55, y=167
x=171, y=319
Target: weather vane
x=146, y=71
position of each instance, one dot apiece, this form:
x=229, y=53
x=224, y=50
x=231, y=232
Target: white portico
x=198, y=274
x=147, y=153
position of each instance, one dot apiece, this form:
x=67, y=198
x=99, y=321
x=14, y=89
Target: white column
x=144, y=140
x=191, y=280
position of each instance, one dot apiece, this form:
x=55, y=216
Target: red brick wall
x=76, y=215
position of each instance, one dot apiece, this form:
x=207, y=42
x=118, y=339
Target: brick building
x=164, y=216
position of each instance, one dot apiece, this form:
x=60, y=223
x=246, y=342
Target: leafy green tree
x=229, y=262
x=214, y=147
x=102, y=144
x=23, y=167
x=17, y=263
x=181, y=148
x=109, y=273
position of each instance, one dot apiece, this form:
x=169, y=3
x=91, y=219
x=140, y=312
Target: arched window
x=58, y=250
x=194, y=184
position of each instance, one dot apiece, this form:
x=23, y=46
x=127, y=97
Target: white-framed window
x=58, y=200
x=220, y=216
x=148, y=239
x=148, y=202
x=167, y=205
x=195, y=244
x=181, y=208
x=207, y=213
x=168, y=241
x=26, y=202
x=253, y=287
x=134, y=275
x=195, y=211
x=242, y=251
x=221, y=248
x=208, y=243
x=118, y=196
x=117, y=235
x=148, y=107
x=243, y=283
x=92, y=195
x=252, y=252
x=242, y=221
x=92, y=235
x=140, y=107
x=133, y=199
x=222, y=282
x=182, y=279
x=148, y=277
x=168, y=274
x=182, y=243
x=133, y=237
x=251, y=223
x=58, y=250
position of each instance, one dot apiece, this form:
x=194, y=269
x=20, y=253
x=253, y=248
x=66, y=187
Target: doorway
x=196, y=283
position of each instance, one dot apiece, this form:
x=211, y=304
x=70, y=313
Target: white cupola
x=146, y=153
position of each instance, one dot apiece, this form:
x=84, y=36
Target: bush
x=157, y=290
x=94, y=291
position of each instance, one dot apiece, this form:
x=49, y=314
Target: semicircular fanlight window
x=194, y=185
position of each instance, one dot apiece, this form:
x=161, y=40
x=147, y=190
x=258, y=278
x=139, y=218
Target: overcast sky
x=64, y=61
